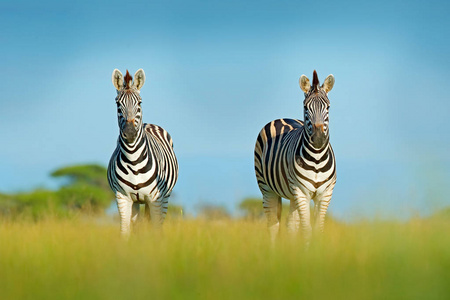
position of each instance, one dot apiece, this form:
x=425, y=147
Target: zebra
x=143, y=168
x=294, y=160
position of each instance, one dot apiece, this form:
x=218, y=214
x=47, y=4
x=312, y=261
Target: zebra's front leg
x=320, y=210
x=272, y=210
x=303, y=207
x=124, y=205
x=293, y=220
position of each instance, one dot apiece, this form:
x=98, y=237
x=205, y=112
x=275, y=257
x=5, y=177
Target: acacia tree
x=87, y=188
x=90, y=174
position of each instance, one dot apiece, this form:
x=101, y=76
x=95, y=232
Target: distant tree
x=35, y=204
x=213, y=212
x=8, y=205
x=89, y=174
x=87, y=190
x=252, y=208
x=85, y=197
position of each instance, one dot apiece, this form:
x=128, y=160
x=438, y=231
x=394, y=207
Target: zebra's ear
x=139, y=79
x=304, y=83
x=328, y=83
x=117, y=79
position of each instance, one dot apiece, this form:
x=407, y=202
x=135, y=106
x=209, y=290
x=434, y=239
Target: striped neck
x=135, y=149
x=318, y=143
x=305, y=140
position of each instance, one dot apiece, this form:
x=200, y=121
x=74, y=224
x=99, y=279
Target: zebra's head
x=128, y=101
x=316, y=106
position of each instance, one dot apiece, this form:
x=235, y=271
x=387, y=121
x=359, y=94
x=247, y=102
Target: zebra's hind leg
x=293, y=220
x=272, y=210
x=124, y=205
x=164, y=207
x=147, y=212
x=156, y=215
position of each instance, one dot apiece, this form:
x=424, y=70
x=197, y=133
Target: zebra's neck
x=133, y=152
x=306, y=144
x=317, y=144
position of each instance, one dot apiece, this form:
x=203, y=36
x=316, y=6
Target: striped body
x=295, y=161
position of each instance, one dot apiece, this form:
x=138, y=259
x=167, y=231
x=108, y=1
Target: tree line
x=85, y=190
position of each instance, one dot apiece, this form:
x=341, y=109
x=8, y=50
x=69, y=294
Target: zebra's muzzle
x=318, y=127
x=129, y=132
x=318, y=137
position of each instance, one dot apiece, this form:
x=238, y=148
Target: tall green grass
x=194, y=259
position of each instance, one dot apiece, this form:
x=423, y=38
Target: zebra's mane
x=315, y=85
x=128, y=80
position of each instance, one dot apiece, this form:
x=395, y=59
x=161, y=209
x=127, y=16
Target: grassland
x=194, y=259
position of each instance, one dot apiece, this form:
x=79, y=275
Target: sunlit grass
x=194, y=259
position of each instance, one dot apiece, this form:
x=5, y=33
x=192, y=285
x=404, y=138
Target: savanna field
x=85, y=258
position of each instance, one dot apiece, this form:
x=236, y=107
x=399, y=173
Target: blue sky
x=217, y=72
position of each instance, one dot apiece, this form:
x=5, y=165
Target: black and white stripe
x=143, y=168
x=295, y=161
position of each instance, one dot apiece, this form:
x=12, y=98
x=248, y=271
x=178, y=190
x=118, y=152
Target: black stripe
x=140, y=185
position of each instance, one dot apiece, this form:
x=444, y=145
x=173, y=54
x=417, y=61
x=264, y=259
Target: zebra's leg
x=272, y=210
x=156, y=212
x=135, y=212
x=303, y=207
x=124, y=205
x=164, y=207
x=293, y=220
x=320, y=209
x=147, y=211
